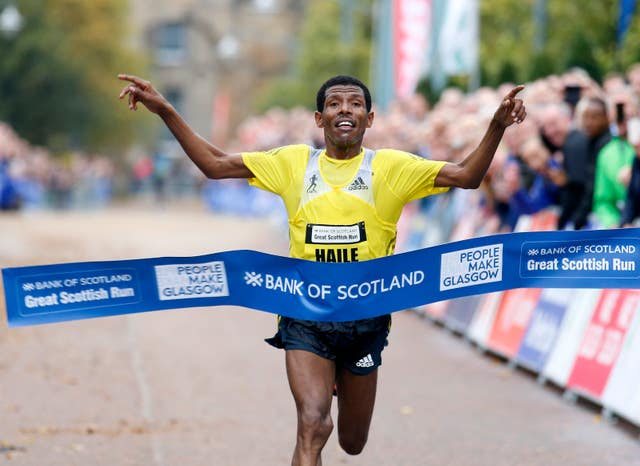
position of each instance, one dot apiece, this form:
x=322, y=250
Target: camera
x=620, y=113
x=572, y=94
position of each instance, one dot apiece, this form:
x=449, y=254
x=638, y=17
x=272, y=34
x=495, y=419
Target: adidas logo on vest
x=357, y=184
x=367, y=361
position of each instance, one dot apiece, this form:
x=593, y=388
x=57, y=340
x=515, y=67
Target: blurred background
x=244, y=74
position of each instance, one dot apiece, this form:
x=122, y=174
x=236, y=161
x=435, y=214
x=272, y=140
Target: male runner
x=343, y=204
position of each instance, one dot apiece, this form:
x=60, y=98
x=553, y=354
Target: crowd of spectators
x=32, y=178
x=575, y=152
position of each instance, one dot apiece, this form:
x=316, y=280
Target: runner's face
x=344, y=117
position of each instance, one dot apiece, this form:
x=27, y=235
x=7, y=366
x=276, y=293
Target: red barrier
x=602, y=341
x=512, y=319
x=575, y=321
x=483, y=319
x=436, y=310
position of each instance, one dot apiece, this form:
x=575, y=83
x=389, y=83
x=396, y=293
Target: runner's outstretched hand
x=142, y=91
x=511, y=110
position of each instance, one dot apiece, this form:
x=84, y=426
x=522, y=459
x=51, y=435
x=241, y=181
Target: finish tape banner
x=324, y=291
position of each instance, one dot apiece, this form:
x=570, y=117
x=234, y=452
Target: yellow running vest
x=339, y=223
x=333, y=218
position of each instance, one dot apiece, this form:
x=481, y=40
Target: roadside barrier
x=585, y=341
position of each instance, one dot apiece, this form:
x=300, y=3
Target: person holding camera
x=563, y=137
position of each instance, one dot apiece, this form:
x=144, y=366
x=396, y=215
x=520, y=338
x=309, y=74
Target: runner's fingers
x=135, y=99
x=124, y=92
x=522, y=114
x=134, y=94
x=129, y=89
x=141, y=83
x=519, y=118
x=517, y=105
x=514, y=91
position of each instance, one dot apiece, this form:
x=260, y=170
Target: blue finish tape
x=324, y=291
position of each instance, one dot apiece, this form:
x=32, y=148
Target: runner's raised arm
x=469, y=172
x=211, y=160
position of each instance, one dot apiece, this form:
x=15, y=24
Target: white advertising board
x=576, y=319
x=622, y=392
x=482, y=322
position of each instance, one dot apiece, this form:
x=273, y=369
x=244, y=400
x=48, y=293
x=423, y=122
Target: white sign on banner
x=622, y=392
x=577, y=317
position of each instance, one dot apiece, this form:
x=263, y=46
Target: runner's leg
x=311, y=380
x=356, y=398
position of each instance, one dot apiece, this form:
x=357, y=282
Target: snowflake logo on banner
x=533, y=252
x=253, y=278
x=28, y=287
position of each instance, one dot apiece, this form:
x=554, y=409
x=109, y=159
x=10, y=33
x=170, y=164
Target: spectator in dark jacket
x=595, y=122
x=571, y=145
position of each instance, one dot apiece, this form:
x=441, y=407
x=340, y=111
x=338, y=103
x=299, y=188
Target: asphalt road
x=200, y=387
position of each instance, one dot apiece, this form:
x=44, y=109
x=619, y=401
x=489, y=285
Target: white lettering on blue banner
x=351, y=291
x=580, y=259
x=76, y=291
x=472, y=266
x=187, y=281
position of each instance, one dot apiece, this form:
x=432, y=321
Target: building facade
x=210, y=58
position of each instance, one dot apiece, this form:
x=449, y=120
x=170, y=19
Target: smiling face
x=344, y=119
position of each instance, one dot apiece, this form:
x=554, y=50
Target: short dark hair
x=341, y=80
x=598, y=102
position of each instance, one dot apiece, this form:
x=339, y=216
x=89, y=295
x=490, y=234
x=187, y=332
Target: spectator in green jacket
x=613, y=166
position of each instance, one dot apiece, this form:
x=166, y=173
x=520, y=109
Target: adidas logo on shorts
x=367, y=361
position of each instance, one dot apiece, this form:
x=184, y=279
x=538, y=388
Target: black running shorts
x=355, y=345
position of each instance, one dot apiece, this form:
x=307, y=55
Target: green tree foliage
x=575, y=33
x=629, y=52
x=57, y=75
x=329, y=45
x=506, y=37
x=581, y=34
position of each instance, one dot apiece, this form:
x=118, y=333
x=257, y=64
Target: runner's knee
x=315, y=423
